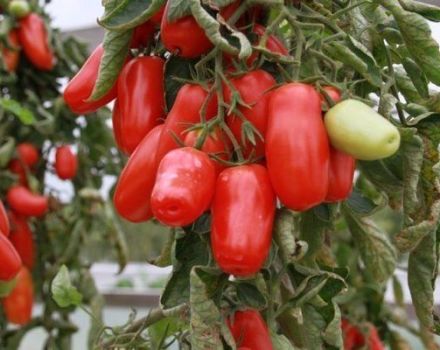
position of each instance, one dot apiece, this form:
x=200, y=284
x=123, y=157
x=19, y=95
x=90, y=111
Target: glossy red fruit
x=4, y=221
x=18, y=305
x=141, y=101
x=28, y=154
x=22, y=239
x=333, y=93
x=142, y=35
x=80, y=87
x=297, y=147
x=253, y=89
x=250, y=331
x=11, y=56
x=26, y=203
x=353, y=337
x=184, y=187
x=242, y=217
x=10, y=262
x=184, y=114
x=184, y=37
x=133, y=191
x=340, y=176
x=216, y=144
x=117, y=132
x=66, y=163
x=157, y=17
x=35, y=42
x=273, y=44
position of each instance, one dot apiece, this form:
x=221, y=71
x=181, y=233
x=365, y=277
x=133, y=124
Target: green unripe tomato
x=19, y=8
x=357, y=129
x=6, y=287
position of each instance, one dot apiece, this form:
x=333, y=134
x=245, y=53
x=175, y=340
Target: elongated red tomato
x=253, y=89
x=117, y=132
x=242, y=217
x=216, y=143
x=250, y=331
x=66, y=163
x=133, y=191
x=140, y=99
x=28, y=154
x=35, y=42
x=142, y=35
x=353, y=337
x=297, y=147
x=11, y=56
x=157, y=17
x=79, y=89
x=26, y=203
x=22, y=239
x=10, y=262
x=273, y=44
x=184, y=113
x=184, y=37
x=4, y=221
x=184, y=187
x=18, y=305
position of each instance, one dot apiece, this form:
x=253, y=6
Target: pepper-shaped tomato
x=297, y=147
x=80, y=88
x=66, y=163
x=140, y=99
x=250, y=331
x=10, y=262
x=35, y=42
x=133, y=191
x=142, y=35
x=216, y=143
x=184, y=187
x=18, y=305
x=22, y=239
x=184, y=113
x=253, y=89
x=184, y=36
x=4, y=221
x=26, y=203
x=242, y=216
x=11, y=56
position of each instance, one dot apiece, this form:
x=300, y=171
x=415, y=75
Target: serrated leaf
x=360, y=204
x=63, y=292
x=25, y=115
x=248, y=294
x=428, y=11
x=417, y=76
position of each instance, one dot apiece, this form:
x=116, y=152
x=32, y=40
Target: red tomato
x=297, y=147
x=242, y=217
x=250, y=331
x=11, y=57
x=10, y=262
x=16, y=168
x=117, y=132
x=185, y=112
x=4, y=220
x=28, y=154
x=140, y=99
x=252, y=88
x=216, y=143
x=184, y=37
x=353, y=337
x=373, y=340
x=80, y=88
x=22, y=239
x=133, y=191
x=333, y=93
x=184, y=187
x=26, y=203
x=66, y=163
x=142, y=35
x=273, y=44
x=340, y=175
x=35, y=42
x=18, y=305
x=157, y=17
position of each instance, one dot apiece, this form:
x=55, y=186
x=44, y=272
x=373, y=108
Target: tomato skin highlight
x=184, y=113
x=140, y=99
x=26, y=203
x=184, y=37
x=10, y=261
x=252, y=88
x=22, y=239
x=5, y=226
x=18, y=305
x=184, y=187
x=66, y=163
x=80, y=87
x=135, y=184
x=11, y=57
x=250, y=331
x=35, y=42
x=242, y=217
x=297, y=147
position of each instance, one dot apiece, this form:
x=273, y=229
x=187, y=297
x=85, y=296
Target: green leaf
x=164, y=259
x=360, y=204
x=417, y=76
x=178, y=9
x=248, y=294
x=312, y=230
x=428, y=11
x=130, y=13
x=25, y=115
x=280, y=342
x=63, y=292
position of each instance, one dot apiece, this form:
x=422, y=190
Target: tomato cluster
x=355, y=338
